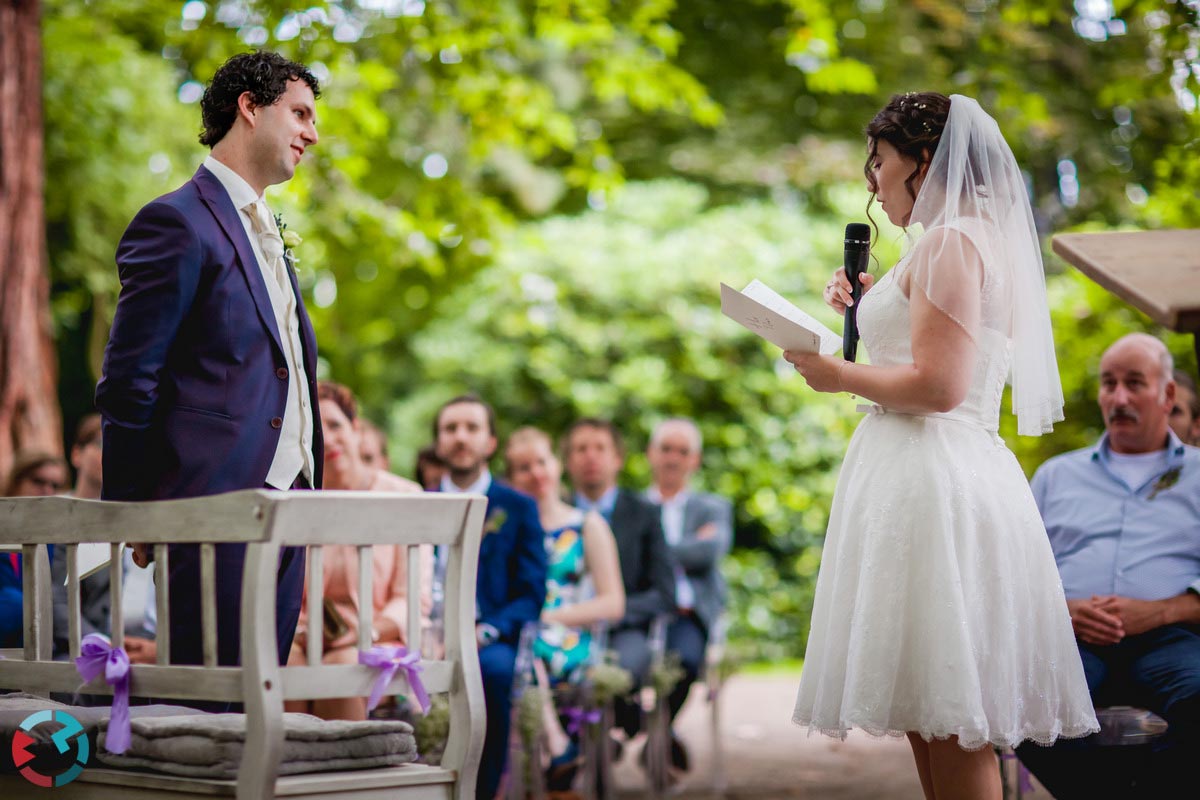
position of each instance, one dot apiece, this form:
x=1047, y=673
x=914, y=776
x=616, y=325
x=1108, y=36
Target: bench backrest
x=264, y=521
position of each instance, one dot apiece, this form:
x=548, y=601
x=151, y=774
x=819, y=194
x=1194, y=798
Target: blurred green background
x=536, y=200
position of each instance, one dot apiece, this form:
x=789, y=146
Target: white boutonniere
x=494, y=522
x=291, y=239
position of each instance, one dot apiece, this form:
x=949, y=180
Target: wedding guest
x=584, y=583
x=1185, y=411
x=36, y=474
x=33, y=474
x=137, y=591
x=510, y=587
x=1122, y=518
x=699, y=530
x=87, y=458
x=430, y=468
x=938, y=610
x=345, y=470
x=374, y=445
x=594, y=453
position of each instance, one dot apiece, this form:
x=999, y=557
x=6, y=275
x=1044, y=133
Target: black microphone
x=854, y=259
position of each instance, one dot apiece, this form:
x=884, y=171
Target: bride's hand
x=837, y=291
x=823, y=373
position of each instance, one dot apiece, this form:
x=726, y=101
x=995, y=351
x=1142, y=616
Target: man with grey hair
x=699, y=530
x=1123, y=518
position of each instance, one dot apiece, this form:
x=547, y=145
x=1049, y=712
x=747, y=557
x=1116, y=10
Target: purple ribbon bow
x=96, y=655
x=387, y=659
x=577, y=717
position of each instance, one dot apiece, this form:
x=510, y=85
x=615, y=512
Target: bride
x=939, y=612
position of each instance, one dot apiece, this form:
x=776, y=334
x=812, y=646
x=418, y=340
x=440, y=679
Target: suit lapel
x=692, y=509
x=217, y=199
x=620, y=510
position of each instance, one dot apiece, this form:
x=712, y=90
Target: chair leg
x=658, y=749
x=1010, y=788
x=601, y=783
x=718, y=751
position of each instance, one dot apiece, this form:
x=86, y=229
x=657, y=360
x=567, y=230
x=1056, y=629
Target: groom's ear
x=246, y=108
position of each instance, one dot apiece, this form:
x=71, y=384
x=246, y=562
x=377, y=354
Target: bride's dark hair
x=913, y=124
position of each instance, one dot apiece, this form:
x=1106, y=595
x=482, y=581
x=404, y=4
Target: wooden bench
x=265, y=521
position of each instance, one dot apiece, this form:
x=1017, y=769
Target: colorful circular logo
x=37, y=762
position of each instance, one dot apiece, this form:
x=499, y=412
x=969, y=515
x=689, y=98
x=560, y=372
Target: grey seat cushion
x=212, y=746
x=183, y=741
x=16, y=706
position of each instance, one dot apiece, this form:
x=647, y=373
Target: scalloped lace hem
x=967, y=740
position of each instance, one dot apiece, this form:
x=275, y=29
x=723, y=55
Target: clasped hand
x=1109, y=619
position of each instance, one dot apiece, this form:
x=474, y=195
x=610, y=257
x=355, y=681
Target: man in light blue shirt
x=1123, y=519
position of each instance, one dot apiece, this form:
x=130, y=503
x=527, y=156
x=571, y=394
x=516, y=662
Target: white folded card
x=760, y=309
x=92, y=557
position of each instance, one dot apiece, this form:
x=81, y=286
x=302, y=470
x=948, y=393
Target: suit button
x=277, y=422
x=281, y=373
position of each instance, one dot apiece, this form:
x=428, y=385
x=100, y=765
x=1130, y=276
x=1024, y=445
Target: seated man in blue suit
x=511, y=584
x=210, y=368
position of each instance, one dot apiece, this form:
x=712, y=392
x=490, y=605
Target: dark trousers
x=187, y=642
x=632, y=646
x=187, y=637
x=1158, y=670
x=497, y=662
x=687, y=637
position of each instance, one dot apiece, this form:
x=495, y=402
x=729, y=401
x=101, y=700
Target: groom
x=209, y=372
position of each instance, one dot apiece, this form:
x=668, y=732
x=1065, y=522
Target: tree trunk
x=29, y=413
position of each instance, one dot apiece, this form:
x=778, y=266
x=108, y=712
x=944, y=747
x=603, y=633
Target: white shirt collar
x=679, y=500
x=239, y=191
x=480, y=486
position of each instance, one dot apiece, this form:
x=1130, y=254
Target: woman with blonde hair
x=584, y=585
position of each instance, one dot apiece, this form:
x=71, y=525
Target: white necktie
x=272, y=246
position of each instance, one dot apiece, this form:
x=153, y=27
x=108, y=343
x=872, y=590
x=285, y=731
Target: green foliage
x=432, y=729
x=465, y=225
x=666, y=675
x=608, y=680
x=115, y=137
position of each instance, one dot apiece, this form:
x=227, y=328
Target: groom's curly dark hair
x=263, y=74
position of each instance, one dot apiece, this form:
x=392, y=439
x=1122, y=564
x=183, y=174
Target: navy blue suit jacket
x=511, y=587
x=194, y=380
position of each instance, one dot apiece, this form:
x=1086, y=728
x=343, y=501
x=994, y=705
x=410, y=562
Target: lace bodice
x=885, y=328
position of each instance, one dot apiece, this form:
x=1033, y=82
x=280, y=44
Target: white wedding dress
x=938, y=607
